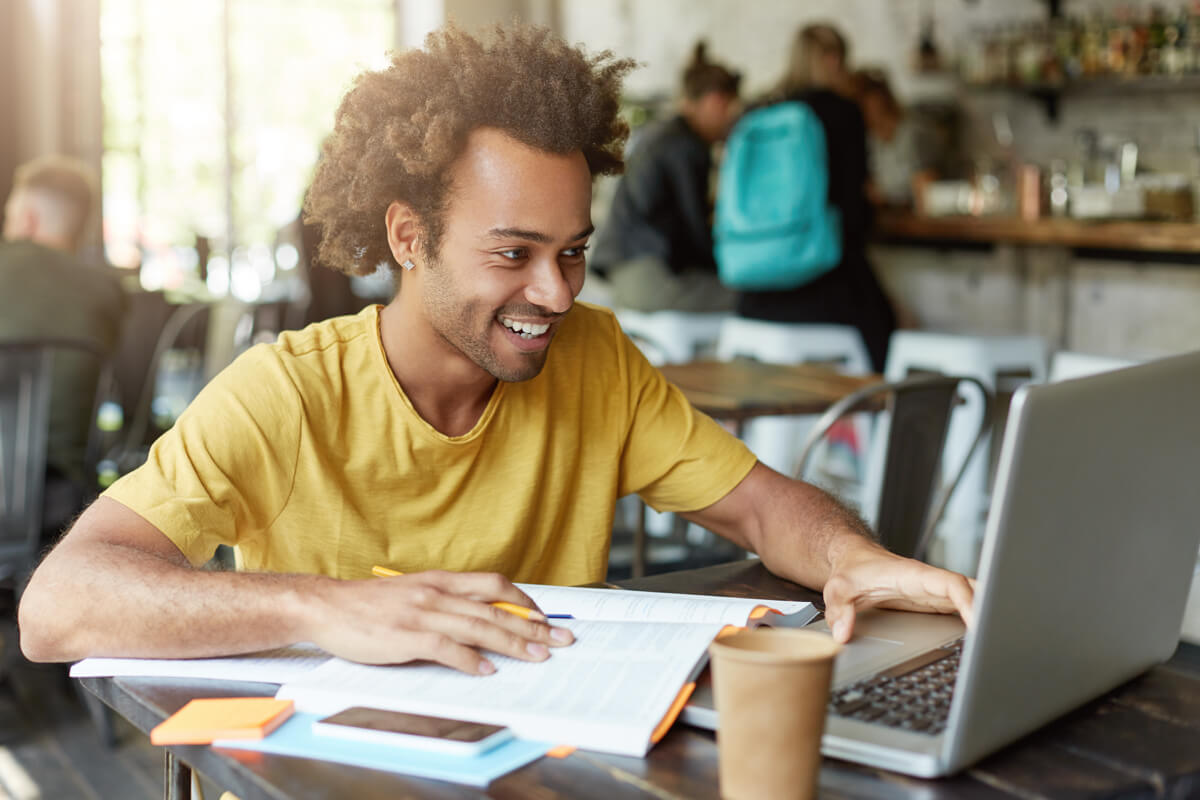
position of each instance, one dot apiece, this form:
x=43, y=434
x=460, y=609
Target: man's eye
x=514, y=254
x=576, y=252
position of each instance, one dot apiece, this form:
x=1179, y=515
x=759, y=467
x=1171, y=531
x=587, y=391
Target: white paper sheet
x=269, y=666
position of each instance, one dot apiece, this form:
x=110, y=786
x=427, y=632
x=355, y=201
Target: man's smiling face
x=511, y=260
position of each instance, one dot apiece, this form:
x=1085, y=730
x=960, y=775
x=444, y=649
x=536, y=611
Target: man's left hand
x=866, y=576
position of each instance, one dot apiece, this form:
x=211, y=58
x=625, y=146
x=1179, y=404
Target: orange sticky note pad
x=201, y=721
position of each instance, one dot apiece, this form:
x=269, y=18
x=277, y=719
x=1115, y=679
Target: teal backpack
x=773, y=225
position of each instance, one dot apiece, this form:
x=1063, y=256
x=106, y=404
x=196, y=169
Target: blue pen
x=559, y=616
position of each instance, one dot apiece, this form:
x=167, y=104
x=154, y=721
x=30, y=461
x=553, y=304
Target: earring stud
x=408, y=264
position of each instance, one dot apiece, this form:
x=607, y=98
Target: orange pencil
x=512, y=608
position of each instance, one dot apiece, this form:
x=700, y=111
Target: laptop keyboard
x=913, y=696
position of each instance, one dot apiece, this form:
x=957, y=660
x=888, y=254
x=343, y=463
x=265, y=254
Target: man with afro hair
x=476, y=430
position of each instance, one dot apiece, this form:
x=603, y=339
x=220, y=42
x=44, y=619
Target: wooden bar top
x=1157, y=237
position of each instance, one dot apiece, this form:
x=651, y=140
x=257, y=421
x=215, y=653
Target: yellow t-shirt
x=307, y=456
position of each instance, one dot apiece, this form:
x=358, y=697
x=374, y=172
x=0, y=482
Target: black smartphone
x=436, y=734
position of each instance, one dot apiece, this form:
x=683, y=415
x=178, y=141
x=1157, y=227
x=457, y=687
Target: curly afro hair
x=398, y=131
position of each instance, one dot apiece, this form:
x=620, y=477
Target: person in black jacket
x=849, y=294
x=656, y=248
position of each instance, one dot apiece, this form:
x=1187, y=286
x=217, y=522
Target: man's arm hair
x=117, y=586
x=805, y=535
x=797, y=529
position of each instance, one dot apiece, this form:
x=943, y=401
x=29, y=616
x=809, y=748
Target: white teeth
x=527, y=329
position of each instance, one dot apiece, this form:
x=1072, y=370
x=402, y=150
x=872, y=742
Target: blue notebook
x=295, y=738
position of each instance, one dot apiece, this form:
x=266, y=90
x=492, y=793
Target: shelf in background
x=1155, y=237
x=1049, y=94
x=1102, y=85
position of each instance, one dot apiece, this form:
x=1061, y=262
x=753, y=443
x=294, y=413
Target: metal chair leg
x=177, y=778
x=638, y=567
x=100, y=714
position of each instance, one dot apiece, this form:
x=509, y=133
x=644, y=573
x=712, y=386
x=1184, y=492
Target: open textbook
x=268, y=666
x=617, y=689
x=625, y=605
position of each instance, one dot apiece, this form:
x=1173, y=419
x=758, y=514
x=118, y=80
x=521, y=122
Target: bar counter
x=1155, y=237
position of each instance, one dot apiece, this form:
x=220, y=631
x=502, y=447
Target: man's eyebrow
x=534, y=236
x=518, y=233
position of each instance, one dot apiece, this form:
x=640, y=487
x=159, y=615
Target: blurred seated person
x=47, y=291
x=656, y=248
x=880, y=109
x=882, y=115
x=849, y=294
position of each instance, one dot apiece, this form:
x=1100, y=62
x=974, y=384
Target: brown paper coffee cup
x=771, y=689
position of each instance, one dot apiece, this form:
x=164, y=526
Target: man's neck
x=446, y=388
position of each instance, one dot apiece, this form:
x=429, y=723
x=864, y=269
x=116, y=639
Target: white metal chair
x=667, y=337
x=1067, y=364
x=675, y=336
x=776, y=440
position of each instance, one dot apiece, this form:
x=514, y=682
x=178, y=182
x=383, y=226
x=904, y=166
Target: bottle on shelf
x=1130, y=41
x=1193, y=38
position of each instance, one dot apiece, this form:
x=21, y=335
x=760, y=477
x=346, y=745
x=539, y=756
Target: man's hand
x=866, y=575
x=437, y=616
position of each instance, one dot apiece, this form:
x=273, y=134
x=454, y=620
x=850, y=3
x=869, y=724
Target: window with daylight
x=214, y=112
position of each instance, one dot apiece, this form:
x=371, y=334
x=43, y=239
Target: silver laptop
x=1084, y=576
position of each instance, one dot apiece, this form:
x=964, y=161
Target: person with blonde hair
x=46, y=292
x=816, y=74
x=817, y=60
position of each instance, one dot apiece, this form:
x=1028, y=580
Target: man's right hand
x=445, y=617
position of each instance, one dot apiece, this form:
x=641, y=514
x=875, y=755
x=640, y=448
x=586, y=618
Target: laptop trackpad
x=885, y=638
x=864, y=651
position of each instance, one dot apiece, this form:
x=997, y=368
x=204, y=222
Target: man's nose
x=549, y=288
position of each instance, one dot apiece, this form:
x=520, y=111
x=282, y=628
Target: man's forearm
x=117, y=586
x=93, y=598
x=803, y=532
x=800, y=532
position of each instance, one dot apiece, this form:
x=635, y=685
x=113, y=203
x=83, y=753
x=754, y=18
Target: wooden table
x=742, y=389
x=1141, y=740
x=739, y=390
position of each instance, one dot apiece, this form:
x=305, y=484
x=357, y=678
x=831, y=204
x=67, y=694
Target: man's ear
x=403, y=232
